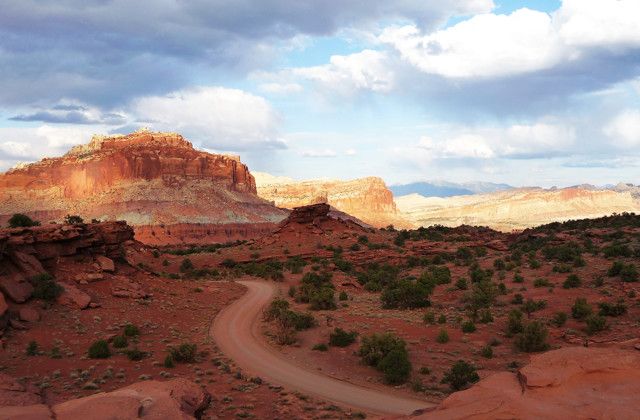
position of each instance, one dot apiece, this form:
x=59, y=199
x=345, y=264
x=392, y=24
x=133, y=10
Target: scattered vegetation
x=22, y=220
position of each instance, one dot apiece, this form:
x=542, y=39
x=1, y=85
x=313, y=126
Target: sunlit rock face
x=368, y=199
x=145, y=178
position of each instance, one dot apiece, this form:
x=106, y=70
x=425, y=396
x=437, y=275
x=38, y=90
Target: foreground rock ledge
x=569, y=383
x=175, y=399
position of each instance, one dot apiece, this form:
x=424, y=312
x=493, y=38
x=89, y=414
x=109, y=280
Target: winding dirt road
x=237, y=333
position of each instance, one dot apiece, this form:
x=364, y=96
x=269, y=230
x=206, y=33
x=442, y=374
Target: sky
x=543, y=92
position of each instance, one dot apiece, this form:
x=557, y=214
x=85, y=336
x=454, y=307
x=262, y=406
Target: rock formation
x=145, y=178
x=515, y=209
x=368, y=199
x=568, y=383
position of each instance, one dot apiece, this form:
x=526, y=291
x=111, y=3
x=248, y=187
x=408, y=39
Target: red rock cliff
x=145, y=178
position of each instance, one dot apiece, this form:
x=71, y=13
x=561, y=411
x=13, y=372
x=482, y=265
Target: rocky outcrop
x=515, y=209
x=26, y=252
x=175, y=399
x=573, y=382
x=144, y=178
x=368, y=199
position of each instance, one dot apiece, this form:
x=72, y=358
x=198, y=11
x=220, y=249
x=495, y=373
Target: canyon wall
x=368, y=199
x=144, y=178
x=515, y=209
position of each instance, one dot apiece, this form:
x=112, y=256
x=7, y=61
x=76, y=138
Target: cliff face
x=145, y=178
x=368, y=199
x=515, y=209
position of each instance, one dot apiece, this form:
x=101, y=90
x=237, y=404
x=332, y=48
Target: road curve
x=236, y=331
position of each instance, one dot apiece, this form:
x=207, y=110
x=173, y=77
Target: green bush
x=533, y=338
x=629, y=273
x=120, y=341
x=131, y=330
x=514, y=322
x=73, y=220
x=486, y=352
x=99, y=350
x=22, y=220
x=442, y=319
x=443, y=336
x=461, y=284
x=186, y=265
x=184, y=353
x=612, y=309
x=542, y=283
x=387, y=353
x=499, y=264
x=341, y=338
x=531, y=306
x=32, y=348
x=405, y=294
x=320, y=347
x=429, y=318
x=485, y=316
x=581, y=309
x=317, y=290
x=135, y=354
x=343, y=296
x=595, y=323
x=518, y=299
x=395, y=366
x=517, y=278
x=559, y=319
x=376, y=277
x=168, y=361
x=45, y=287
x=468, y=327
x=572, y=282
x=617, y=250
x=460, y=375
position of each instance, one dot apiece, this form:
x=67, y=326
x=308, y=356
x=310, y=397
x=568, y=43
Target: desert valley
x=141, y=277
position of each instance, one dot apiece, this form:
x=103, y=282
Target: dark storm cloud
x=105, y=52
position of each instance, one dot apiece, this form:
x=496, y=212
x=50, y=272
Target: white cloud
x=486, y=45
x=220, y=118
x=280, y=88
x=15, y=149
x=624, y=130
x=491, y=45
x=461, y=146
x=348, y=74
x=324, y=153
x=350, y=152
x=603, y=23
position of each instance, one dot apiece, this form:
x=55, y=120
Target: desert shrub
x=595, y=323
x=562, y=268
x=559, y=319
x=542, y=283
x=405, y=294
x=442, y=319
x=486, y=352
x=615, y=269
x=443, y=336
x=572, y=282
x=135, y=354
x=478, y=275
x=99, y=350
x=22, y=220
x=468, y=327
x=485, y=316
x=533, y=338
x=499, y=264
x=186, y=265
x=376, y=277
x=612, y=309
x=401, y=237
x=228, y=263
x=320, y=347
x=517, y=278
x=629, y=273
x=535, y=264
x=341, y=338
x=463, y=253
x=617, y=250
x=73, y=219
x=514, y=322
x=165, y=263
x=343, y=295
x=131, y=330
x=518, y=299
x=436, y=275
x=387, y=353
x=295, y=264
x=429, y=318
x=363, y=239
x=45, y=287
x=460, y=375
x=482, y=295
x=581, y=309
x=354, y=247
x=461, y=284
x=563, y=253
x=530, y=306
x=32, y=348
x=120, y=341
x=169, y=362
x=317, y=290
x=184, y=353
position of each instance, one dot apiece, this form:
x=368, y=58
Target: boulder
x=27, y=264
x=16, y=287
x=29, y=314
x=175, y=399
x=106, y=264
x=85, y=278
x=125, y=288
x=572, y=382
x=72, y=296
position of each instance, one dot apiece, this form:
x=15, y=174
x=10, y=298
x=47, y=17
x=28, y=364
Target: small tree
x=73, y=220
x=184, y=353
x=99, y=350
x=186, y=265
x=395, y=366
x=581, y=309
x=460, y=375
x=341, y=338
x=45, y=287
x=533, y=338
x=595, y=323
x=22, y=220
x=572, y=282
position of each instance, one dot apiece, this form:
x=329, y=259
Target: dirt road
x=236, y=331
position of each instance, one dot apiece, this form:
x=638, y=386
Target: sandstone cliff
x=148, y=179
x=368, y=199
x=515, y=209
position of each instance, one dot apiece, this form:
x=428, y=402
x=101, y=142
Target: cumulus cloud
x=624, y=129
x=219, y=118
x=69, y=113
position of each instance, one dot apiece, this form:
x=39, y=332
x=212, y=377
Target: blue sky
x=543, y=92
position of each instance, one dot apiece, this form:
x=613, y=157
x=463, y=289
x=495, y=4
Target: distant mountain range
x=446, y=189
